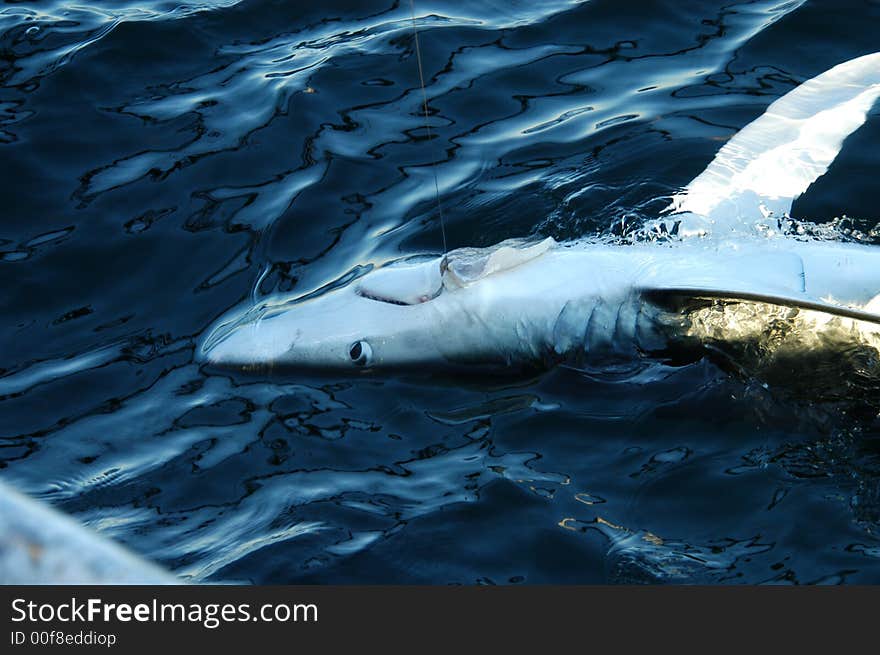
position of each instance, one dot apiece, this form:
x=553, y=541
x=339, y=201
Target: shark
x=723, y=272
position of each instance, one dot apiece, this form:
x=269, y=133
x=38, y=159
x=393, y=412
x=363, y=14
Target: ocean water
x=164, y=161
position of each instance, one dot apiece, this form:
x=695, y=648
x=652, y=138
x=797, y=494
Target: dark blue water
x=164, y=161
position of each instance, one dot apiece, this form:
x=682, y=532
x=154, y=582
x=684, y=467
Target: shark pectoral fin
x=775, y=278
x=771, y=161
x=681, y=297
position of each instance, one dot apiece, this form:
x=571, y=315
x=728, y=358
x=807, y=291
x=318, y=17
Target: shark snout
x=246, y=343
x=341, y=330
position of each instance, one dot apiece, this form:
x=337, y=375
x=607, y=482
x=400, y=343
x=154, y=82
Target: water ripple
x=43, y=38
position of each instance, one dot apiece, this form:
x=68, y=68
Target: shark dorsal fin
x=467, y=265
x=771, y=161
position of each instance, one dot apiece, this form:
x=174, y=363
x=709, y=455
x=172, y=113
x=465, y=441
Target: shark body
x=526, y=304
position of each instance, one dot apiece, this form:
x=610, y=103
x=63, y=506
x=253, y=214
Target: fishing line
x=412, y=6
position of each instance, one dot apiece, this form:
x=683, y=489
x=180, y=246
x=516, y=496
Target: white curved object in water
x=39, y=545
x=527, y=304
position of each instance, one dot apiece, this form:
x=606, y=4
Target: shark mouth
x=402, y=283
x=391, y=301
x=413, y=284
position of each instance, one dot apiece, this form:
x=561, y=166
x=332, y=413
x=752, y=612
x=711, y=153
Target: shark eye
x=360, y=353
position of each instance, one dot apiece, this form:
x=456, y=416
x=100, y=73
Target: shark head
x=383, y=319
x=462, y=309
